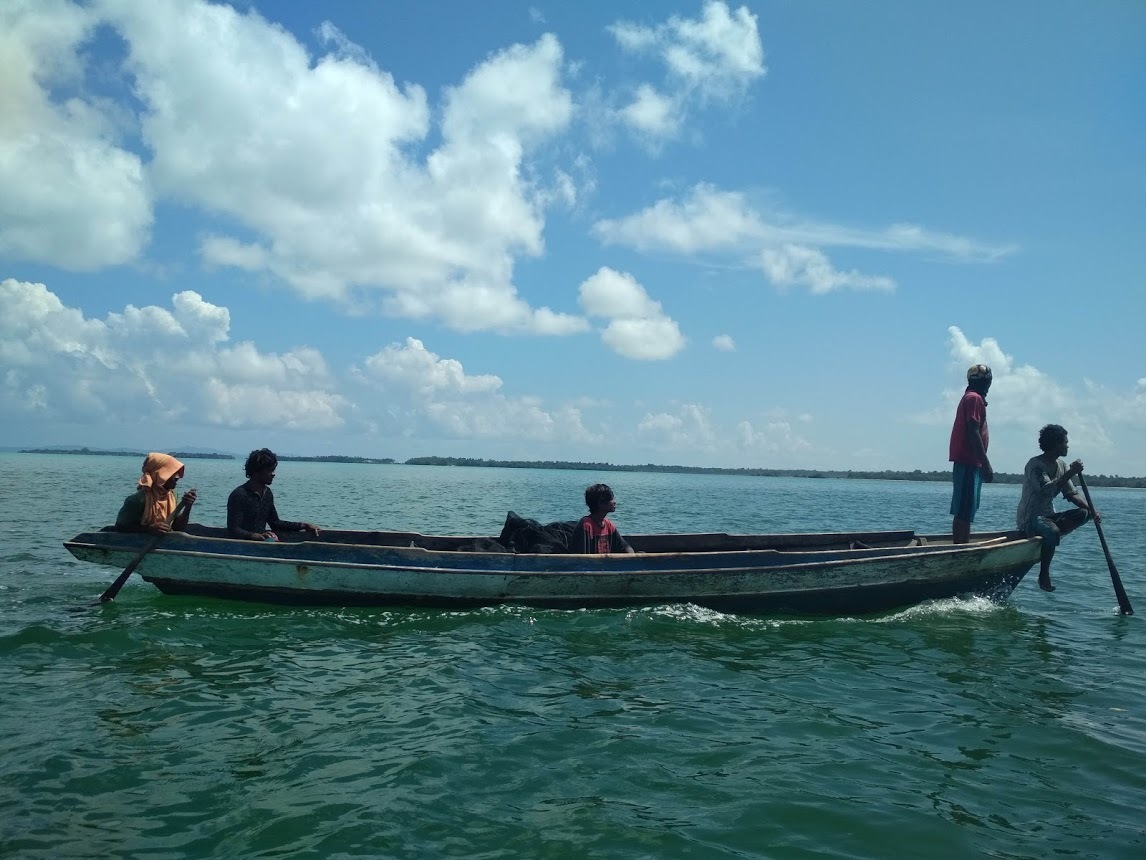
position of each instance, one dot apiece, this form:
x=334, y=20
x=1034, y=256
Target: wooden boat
x=822, y=574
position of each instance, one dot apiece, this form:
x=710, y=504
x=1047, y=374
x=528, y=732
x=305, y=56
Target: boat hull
x=788, y=574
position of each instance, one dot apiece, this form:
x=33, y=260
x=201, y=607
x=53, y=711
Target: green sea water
x=162, y=727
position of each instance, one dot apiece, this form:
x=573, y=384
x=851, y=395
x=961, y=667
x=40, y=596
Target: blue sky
x=770, y=235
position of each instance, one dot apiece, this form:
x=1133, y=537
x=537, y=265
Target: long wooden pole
x=1123, y=601
x=113, y=589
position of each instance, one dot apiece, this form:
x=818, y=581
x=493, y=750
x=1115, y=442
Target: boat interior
x=654, y=543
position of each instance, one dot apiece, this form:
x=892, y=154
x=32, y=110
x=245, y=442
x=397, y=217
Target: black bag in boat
x=522, y=535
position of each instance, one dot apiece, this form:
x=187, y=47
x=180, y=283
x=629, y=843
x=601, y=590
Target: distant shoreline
x=95, y=452
x=195, y=455
x=887, y=475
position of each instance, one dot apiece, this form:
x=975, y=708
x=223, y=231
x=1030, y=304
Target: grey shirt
x=1039, y=490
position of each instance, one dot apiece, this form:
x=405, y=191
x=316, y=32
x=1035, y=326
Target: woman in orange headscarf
x=148, y=508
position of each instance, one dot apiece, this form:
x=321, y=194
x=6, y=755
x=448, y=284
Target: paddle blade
x=113, y=589
x=1123, y=601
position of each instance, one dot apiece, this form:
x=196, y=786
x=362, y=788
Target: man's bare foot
x=1045, y=584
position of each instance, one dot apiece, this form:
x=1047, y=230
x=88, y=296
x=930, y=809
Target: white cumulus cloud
x=797, y=265
x=710, y=59
x=70, y=193
x=776, y=436
x=412, y=366
x=638, y=326
x=322, y=171
x=430, y=395
x=786, y=249
x=153, y=363
x=652, y=113
x=690, y=429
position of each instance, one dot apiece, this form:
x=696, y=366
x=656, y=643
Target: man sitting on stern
x=1046, y=475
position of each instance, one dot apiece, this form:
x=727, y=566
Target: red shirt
x=589, y=538
x=971, y=408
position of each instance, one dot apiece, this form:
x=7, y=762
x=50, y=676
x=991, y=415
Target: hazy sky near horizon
x=697, y=233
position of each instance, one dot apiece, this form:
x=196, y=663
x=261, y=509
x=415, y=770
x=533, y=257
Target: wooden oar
x=1123, y=601
x=114, y=588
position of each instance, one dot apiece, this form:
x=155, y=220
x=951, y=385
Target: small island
x=341, y=458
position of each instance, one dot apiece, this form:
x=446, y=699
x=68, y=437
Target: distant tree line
x=178, y=455
x=190, y=455
x=613, y=467
x=340, y=458
x=890, y=475
x=573, y=465
x=1000, y=478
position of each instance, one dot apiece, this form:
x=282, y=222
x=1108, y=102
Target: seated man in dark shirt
x=251, y=506
x=594, y=534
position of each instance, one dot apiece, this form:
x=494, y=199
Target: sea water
x=165, y=727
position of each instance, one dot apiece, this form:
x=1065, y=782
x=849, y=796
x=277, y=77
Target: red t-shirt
x=589, y=538
x=971, y=408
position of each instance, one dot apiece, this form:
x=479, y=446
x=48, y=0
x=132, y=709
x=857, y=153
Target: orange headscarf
x=159, y=502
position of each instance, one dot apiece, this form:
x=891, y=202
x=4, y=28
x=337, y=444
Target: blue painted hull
x=828, y=574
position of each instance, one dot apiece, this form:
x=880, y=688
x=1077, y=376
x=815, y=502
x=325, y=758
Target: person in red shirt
x=968, y=451
x=594, y=534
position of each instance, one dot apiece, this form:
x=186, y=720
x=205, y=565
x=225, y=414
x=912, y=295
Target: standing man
x=969, y=440
x=1044, y=477
x=251, y=506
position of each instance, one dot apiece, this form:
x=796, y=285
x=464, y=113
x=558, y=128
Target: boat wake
x=690, y=612
x=978, y=606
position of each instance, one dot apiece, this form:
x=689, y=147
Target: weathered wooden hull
x=793, y=574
